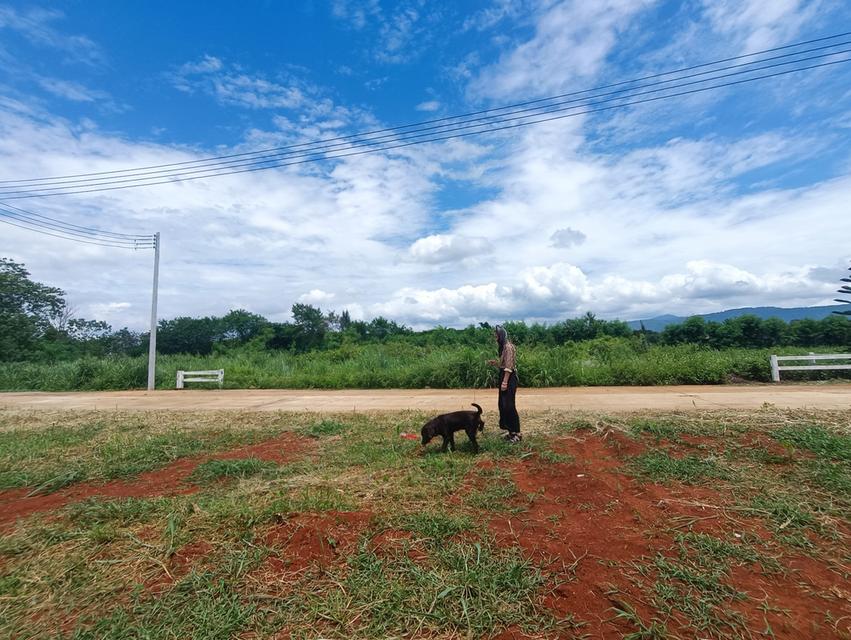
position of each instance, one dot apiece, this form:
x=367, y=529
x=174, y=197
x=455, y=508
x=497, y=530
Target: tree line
x=36, y=324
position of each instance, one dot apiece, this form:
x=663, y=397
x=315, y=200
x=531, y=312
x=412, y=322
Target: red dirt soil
x=588, y=522
x=170, y=480
x=305, y=540
x=178, y=565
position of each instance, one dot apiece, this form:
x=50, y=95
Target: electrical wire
x=73, y=227
x=386, y=147
x=71, y=230
x=59, y=229
x=64, y=184
x=457, y=117
x=409, y=140
x=46, y=233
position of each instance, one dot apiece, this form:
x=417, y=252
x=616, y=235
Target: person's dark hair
x=501, y=337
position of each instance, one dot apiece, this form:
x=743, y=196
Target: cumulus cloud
x=448, y=248
x=248, y=240
x=682, y=223
x=563, y=290
x=108, y=310
x=316, y=297
x=430, y=105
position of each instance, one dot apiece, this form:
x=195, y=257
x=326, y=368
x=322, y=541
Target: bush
x=404, y=364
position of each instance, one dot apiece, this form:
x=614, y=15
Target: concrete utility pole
x=152, y=346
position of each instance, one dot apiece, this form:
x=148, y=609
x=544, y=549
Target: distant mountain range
x=797, y=313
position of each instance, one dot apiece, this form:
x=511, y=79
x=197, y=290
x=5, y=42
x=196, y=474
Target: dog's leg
x=445, y=445
x=452, y=441
x=471, y=433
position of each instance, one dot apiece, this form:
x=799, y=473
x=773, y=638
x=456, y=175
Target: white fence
x=216, y=375
x=812, y=358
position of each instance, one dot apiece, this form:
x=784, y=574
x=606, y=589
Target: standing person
x=509, y=419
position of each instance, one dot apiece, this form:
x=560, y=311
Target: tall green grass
x=604, y=361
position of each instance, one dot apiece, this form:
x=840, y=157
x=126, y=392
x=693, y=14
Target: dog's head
x=427, y=433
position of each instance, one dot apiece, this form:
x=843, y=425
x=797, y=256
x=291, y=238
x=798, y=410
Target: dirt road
x=611, y=399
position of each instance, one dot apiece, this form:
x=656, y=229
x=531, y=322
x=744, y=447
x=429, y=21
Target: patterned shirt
x=506, y=360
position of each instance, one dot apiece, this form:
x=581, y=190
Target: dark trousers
x=508, y=417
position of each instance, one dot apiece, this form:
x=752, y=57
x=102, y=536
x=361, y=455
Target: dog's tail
x=477, y=407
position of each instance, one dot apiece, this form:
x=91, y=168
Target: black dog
x=447, y=424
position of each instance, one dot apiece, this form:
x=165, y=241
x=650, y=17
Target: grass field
x=262, y=525
x=604, y=361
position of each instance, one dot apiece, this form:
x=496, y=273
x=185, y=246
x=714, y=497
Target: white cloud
x=258, y=241
x=316, y=297
x=229, y=85
x=760, y=24
x=356, y=13
x=207, y=64
x=73, y=91
x=449, y=248
x=495, y=13
x=107, y=310
x=563, y=290
x=400, y=33
x=35, y=25
x=665, y=223
x=571, y=41
x=567, y=237
x=430, y=105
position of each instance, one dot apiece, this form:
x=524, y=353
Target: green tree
x=241, y=325
x=311, y=326
x=694, y=330
x=188, y=335
x=805, y=332
x=835, y=330
x=26, y=311
x=124, y=342
x=81, y=330
x=775, y=332
x=381, y=328
x=846, y=291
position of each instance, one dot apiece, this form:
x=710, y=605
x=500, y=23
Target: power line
x=74, y=227
x=457, y=117
x=70, y=229
x=125, y=178
x=59, y=229
x=406, y=141
x=46, y=233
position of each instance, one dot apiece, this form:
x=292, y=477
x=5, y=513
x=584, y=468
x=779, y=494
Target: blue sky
x=717, y=200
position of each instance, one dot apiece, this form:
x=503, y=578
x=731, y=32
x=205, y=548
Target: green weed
x=659, y=466
x=325, y=428
x=495, y=491
x=465, y=589
x=22, y=451
x=825, y=444
x=434, y=525
x=218, y=469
